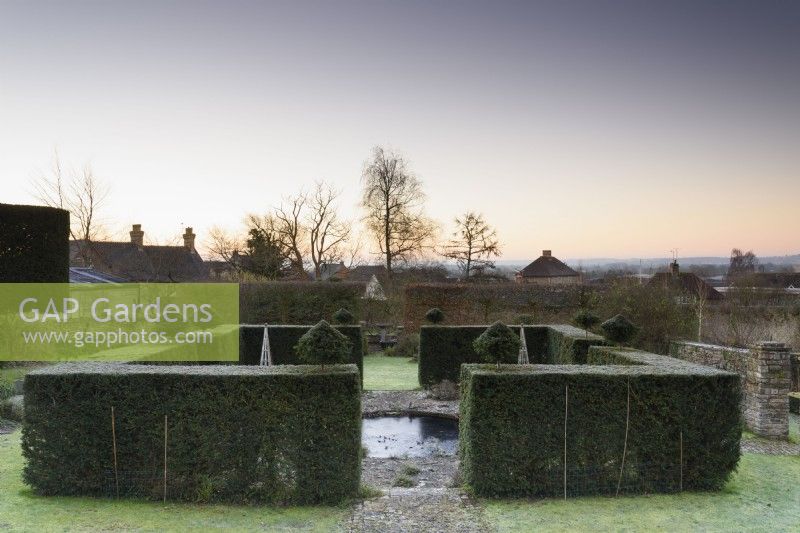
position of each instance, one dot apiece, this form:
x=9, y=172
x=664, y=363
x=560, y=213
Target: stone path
x=439, y=510
x=432, y=504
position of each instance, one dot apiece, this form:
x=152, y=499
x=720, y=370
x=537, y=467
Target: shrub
x=683, y=431
x=283, y=434
x=498, y=344
x=407, y=346
x=526, y=319
x=34, y=244
x=618, y=329
x=323, y=345
x=586, y=319
x=344, y=317
x=434, y=316
x=283, y=339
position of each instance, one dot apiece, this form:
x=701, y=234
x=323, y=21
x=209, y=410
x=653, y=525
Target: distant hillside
x=653, y=262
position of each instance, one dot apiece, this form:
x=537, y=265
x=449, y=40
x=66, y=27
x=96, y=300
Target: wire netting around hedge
x=655, y=424
x=281, y=434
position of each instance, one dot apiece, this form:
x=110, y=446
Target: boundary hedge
x=683, y=431
x=298, y=302
x=281, y=434
x=34, y=244
x=283, y=339
x=443, y=349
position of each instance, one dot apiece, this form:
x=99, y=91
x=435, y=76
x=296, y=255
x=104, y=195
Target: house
x=134, y=261
x=689, y=285
x=547, y=270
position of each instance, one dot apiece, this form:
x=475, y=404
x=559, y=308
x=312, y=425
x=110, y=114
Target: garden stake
x=625, y=445
x=566, y=411
x=114, y=447
x=165, y=458
x=681, y=437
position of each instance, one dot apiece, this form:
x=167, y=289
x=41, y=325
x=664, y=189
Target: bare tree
x=223, y=246
x=327, y=233
x=393, y=203
x=80, y=193
x=742, y=264
x=474, y=244
x=287, y=223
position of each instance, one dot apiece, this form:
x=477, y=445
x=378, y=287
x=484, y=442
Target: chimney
x=547, y=253
x=188, y=239
x=674, y=269
x=137, y=235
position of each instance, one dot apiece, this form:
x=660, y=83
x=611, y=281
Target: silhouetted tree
x=474, y=244
x=393, y=203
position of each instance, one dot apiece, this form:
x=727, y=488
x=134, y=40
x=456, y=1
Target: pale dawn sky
x=596, y=129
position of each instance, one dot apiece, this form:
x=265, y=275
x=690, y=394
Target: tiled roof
x=547, y=267
x=687, y=282
x=140, y=263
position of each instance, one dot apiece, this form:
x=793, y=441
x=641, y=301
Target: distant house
x=331, y=271
x=134, y=261
x=781, y=281
x=547, y=270
x=690, y=286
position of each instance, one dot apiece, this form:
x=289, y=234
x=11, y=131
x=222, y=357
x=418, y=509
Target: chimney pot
x=674, y=268
x=188, y=239
x=137, y=235
x=547, y=253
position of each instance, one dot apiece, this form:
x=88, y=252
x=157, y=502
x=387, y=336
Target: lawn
x=9, y=374
x=390, y=373
x=21, y=510
x=764, y=495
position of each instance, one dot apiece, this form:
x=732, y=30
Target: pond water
x=409, y=436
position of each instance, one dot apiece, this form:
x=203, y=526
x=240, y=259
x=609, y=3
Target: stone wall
x=766, y=374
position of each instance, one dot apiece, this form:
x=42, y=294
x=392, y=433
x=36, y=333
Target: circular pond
x=409, y=436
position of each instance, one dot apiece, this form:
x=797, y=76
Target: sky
x=595, y=129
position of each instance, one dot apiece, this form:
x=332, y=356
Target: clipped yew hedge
x=34, y=244
x=283, y=339
x=278, y=435
x=443, y=349
x=683, y=430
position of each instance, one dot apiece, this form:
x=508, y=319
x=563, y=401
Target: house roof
x=366, y=272
x=687, y=282
x=90, y=275
x=547, y=266
x=140, y=263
